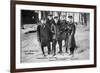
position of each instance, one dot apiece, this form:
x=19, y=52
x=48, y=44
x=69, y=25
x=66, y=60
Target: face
x=49, y=17
x=43, y=21
x=56, y=20
x=62, y=18
x=70, y=20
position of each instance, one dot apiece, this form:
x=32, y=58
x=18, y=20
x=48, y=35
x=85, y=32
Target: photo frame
x=25, y=16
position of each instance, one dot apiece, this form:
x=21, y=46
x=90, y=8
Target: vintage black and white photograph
x=54, y=36
x=48, y=36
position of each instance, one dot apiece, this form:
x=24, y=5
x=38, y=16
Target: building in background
x=34, y=16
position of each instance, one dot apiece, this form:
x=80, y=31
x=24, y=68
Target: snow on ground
x=31, y=50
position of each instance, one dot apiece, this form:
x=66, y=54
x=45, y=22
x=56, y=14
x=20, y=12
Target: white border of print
x=57, y=63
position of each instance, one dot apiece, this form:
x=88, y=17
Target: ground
x=31, y=50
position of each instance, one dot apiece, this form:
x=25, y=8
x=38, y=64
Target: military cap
x=55, y=17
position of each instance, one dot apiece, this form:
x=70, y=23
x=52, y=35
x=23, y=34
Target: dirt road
x=31, y=51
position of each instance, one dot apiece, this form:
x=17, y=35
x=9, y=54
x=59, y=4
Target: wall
x=5, y=36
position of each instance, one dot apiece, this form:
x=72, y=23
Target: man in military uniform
x=49, y=22
x=71, y=35
x=64, y=30
x=43, y=35
x=56, y=35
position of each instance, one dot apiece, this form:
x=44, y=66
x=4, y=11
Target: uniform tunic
x=71, y=34
x=49, y=24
